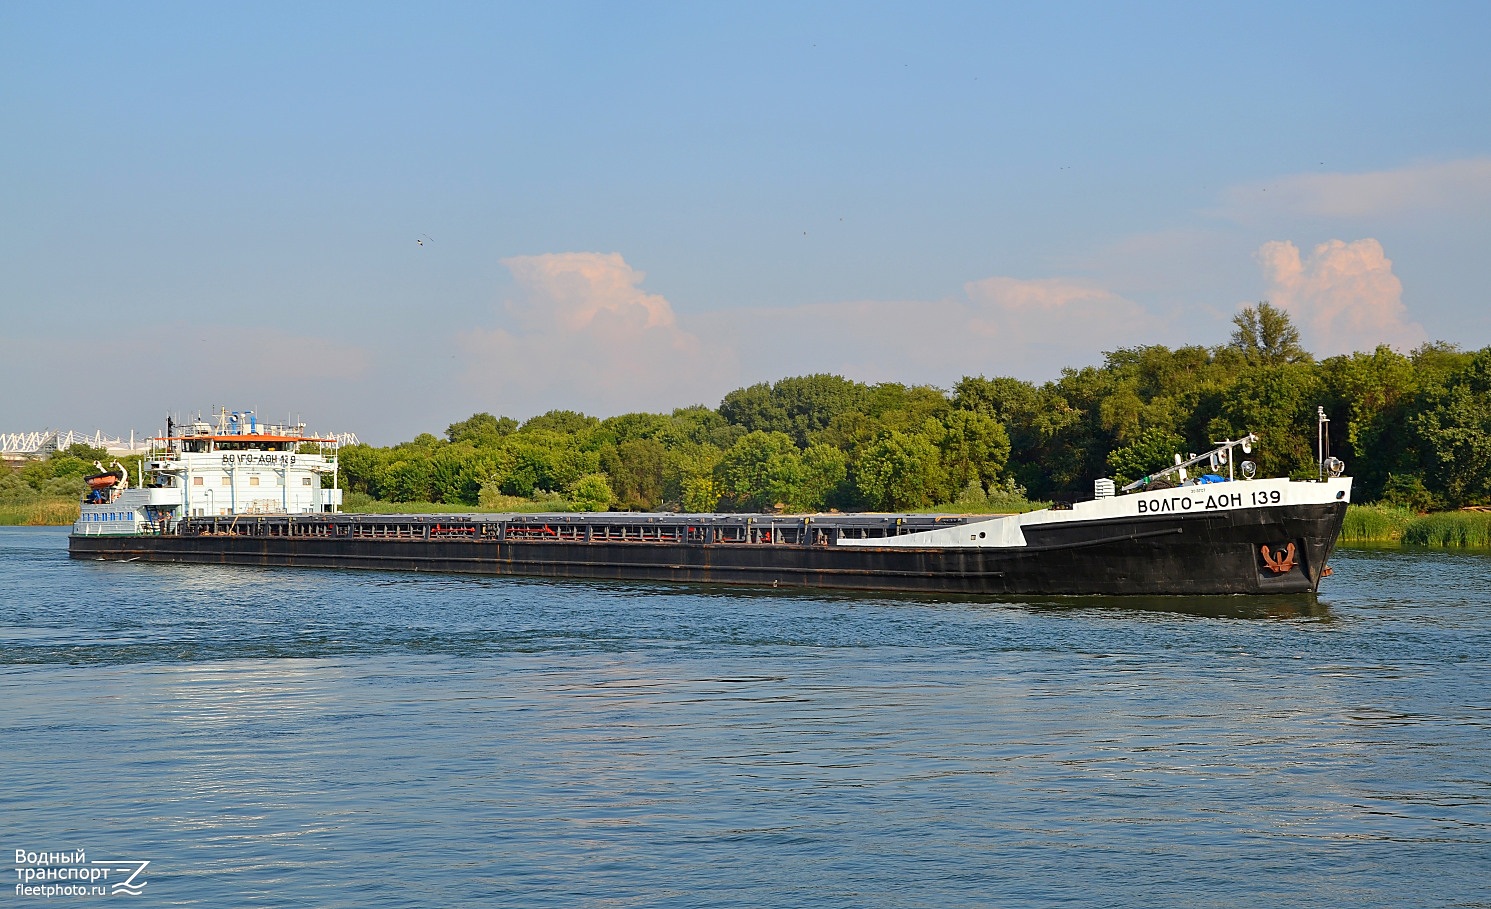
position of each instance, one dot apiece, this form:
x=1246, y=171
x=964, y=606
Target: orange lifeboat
x=101, y=480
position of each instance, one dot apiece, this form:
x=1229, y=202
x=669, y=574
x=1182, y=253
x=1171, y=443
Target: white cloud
x=583, y=291
x=1463, y=185
x=582, y=334
x=1345, y=296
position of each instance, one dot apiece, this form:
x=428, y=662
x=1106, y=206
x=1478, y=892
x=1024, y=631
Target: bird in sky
x=422, y=238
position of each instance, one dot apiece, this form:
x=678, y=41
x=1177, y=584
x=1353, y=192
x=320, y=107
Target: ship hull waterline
x=1181, y=554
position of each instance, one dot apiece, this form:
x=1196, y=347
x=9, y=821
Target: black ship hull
x=1280, y=549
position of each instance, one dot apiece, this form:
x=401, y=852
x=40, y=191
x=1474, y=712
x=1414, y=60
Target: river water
x=281, y=737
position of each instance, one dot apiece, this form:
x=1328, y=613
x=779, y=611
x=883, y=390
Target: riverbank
x=1389, y=524
x=40, y=513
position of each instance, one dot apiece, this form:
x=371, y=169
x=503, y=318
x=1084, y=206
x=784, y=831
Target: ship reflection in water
x=1277, y=606
x=1222, y=606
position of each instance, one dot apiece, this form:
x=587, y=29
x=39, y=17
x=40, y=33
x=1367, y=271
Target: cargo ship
x=238, y=493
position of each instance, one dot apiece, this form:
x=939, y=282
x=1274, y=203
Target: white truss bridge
x=46, y=441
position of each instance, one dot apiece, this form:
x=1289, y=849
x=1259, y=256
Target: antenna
x=1322, y=442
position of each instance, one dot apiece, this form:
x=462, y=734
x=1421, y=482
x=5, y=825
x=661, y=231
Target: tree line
x=1415, y=429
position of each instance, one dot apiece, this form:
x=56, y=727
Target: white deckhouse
x=238, y=467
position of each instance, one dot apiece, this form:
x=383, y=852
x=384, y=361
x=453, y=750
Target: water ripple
x=321, y=738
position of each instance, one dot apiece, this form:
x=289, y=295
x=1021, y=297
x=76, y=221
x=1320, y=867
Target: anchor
x=1281, y=563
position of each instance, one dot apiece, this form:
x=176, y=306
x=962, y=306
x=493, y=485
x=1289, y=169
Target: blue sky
x=644, y=206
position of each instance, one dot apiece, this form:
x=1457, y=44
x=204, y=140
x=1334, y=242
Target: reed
x=1451, y=529
x=43, y=512
x=1375, y=523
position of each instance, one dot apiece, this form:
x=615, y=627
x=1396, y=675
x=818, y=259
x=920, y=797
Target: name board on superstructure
x=259, y=459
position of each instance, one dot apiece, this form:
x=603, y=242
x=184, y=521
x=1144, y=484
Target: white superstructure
x=238, y=467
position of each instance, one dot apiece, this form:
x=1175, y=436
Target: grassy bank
x=1375, y=524
x=1388, y=524
x=1452, y=529
x=42, y=512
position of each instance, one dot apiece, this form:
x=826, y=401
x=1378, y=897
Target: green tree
x=359, y=466
x=1454, y=428
x=1265, y=334
x=14, y=490
x=481, y=429
x=1369, y=397
x=456, y=473
x=526, y=466
x=906, y=408
x=798, y=406
x=754, y=409
x=825, y=472
x=590, y=493
x=564, y=422
x=900, y=470
x=1041, y=423
x=689, y=477
x=62, y=464
x=1152, y=450
x=975, y=448
x=636, y=468
x=630, y=426
x=540, y=460
x=1121, y=411
x=761, y=470
x=407, y=480
x=1435, y=361
x=1277, y=402
x=701, y=425
x=850, y=432
x=811, y=402
x=83, y=452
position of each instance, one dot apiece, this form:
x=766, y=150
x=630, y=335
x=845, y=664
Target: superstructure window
x=305, y=481
x=254, y=480
x=196, y=481
x=227, y=481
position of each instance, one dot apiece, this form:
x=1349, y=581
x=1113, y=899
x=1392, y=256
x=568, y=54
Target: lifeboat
x=103, y=480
